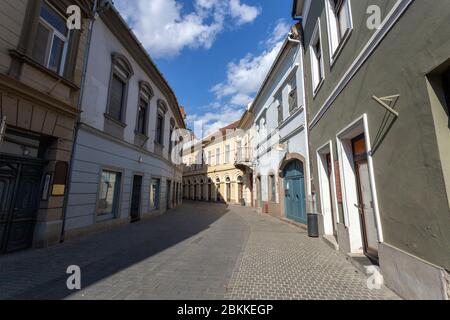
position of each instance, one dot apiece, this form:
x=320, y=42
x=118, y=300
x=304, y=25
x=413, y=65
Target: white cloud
x=214, y=120
x=245, y=77
x=165, y=30
x=243, y=12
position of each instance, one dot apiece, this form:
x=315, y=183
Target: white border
x=363, y=120
x=333, y=196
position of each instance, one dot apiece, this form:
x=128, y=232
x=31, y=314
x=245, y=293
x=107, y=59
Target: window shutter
x=116, y=98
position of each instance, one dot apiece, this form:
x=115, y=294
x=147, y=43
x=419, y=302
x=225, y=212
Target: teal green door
x=294, y=192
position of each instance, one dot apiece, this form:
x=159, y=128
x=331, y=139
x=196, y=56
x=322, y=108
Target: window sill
x=115, y=121
x=141, y=135
x=340, y=47
x=24, y=58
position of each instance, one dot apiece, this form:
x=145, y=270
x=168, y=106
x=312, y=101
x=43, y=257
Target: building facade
x=280, y=147
x=217, y=168
x=41, y=68
x=377, y=98
x=122, y=169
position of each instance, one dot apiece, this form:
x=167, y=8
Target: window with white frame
x=339, y=22
x=293, y=102
x=217, y=156
x=279, y=103
x=52, y=39
x=227, y=154
x=210, y=158
x=317, y=68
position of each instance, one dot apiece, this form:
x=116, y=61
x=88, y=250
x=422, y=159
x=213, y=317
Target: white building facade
x=281, y=165
x=122, y=169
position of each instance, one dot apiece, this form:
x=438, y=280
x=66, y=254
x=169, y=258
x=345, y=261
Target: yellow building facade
x=218, y=168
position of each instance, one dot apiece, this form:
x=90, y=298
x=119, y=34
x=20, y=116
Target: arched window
x=145, y=95
x=121, y=72
x=218, y=195
x=160, y=119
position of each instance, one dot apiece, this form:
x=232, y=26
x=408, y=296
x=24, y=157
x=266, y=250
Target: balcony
x=195, y=169
x=244, y=159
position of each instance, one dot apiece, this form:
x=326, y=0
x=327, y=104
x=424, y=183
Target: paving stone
x=198, y=251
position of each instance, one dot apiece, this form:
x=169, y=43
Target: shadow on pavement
x=41, y=274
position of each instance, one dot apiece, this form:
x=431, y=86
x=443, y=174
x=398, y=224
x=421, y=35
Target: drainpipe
x=78, y=121
x=290, y=39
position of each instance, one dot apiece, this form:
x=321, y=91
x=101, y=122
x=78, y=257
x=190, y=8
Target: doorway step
x=331, y=242
x=361, y=262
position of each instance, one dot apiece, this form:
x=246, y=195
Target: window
x=316, y=59
x=293, y=103
x=272, y=188
x=109, y=193
x=142, y=117
x=339, y=22
x=217, y=156
x=159, y=133
x=145, y=95
x=154, y=194
x=280, y=114
x=239, y=151
x=116, y=98
x=51, y=43
x=210, y=158
x=120, y=74
x=159, y=129
x=227, y=154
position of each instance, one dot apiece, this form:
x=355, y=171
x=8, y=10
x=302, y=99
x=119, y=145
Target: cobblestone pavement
x=281, y=262
x=198, y=251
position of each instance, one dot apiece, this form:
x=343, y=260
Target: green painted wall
x=412, y=194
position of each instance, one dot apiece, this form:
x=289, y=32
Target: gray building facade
x=377, y=88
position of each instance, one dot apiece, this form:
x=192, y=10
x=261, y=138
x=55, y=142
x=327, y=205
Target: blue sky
x=214, y=53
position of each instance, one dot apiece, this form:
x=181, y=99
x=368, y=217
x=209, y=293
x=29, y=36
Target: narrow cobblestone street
x=198, y=251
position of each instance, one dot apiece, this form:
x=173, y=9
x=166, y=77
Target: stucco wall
x=104, y=44
x=94, y=153
x=408, y=173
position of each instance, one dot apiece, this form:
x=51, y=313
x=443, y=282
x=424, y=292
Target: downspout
x=78, y=121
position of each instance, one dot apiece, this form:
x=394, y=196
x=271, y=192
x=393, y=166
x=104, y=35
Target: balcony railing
x=244, y=157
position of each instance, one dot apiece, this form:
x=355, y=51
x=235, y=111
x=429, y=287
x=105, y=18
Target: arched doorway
x=240, y=191
x=228, y=183
x=189, y=195
x=202, y=185
x=294, y=191
x=195, y=190
x=218, y=195
x=210, y=196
